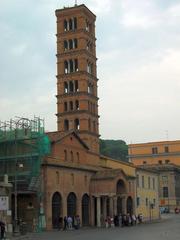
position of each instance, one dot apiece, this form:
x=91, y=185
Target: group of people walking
x=69, y=223
x=123, y=220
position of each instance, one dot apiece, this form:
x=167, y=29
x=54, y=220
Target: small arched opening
x=66, y=125
x=85, y=210
x=71, y=204
x=66, y=67
x=76, y=124
x=56, y=209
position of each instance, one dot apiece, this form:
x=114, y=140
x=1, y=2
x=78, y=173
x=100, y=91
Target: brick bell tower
x=77, y=101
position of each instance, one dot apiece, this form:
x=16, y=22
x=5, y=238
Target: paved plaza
x=167, y=229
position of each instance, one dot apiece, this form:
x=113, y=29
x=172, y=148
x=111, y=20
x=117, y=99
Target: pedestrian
x=134, y=219
x=106, y=223
x=65, y=223
x=78, y=221
x=109, y=221
x=140, y=218
x=123, y=220
x=116, y=221
x=2, y=225
x=60, y=223
x=112, y=222
x=69, y=222
x=120, y=220
x=75, y=222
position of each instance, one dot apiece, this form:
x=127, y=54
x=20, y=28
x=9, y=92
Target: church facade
x=76, y=179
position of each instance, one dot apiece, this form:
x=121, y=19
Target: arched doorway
x=129, y=205
x=121, y=192
x=71, y=204
x=56, y=209
x=85, y=210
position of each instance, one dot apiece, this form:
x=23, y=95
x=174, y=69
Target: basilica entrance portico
x=111, y=193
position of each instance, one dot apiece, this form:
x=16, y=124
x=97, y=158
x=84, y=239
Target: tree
x=116, y=149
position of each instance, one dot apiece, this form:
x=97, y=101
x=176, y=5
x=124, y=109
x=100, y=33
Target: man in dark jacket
x=2, y=226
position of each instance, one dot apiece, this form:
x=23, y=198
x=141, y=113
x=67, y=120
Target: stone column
x=79, y=208
x=115, y=205
x=92, y=223
x=98, y=212
x=64, y=206
x=111, y=207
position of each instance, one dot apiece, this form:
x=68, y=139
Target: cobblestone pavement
x=167, y=229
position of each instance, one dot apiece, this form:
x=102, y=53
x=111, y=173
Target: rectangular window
x=149, y=182
x=142, y=181
x=153, y=183
x=154, y=202
x=146, y=201
x=166, y=149
x=160, y=161
x=165, y=179
x=167, y=161
x=154, y=150
x=137, y=180
x=165, y=192
x=138, y=201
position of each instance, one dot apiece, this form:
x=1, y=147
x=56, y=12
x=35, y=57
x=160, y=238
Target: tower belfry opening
x=77, y=100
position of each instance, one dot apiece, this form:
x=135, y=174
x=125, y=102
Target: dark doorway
x=129, y=205
x=56, y=209
x=71, y=205
x=108, y=207
x=119, y=206
x=95, y=211
x=85, y=210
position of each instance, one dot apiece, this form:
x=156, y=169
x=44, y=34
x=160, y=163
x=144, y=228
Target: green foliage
x=116, y=149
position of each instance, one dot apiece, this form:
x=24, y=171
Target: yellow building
x=163, y=157
x=147, y=199
x=169, y=182
x=155, y=153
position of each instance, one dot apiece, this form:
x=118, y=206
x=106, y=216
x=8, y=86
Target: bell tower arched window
x=66, y=67
x=75, y=43
x=66, y=125
x=71, y=86
x=71, y=106
x=65, y=106
x=65, y=25
x=76, y=86
x=75, y=23
x=77, y=104
x=70, y=24
x=65, y=87
x=70, y=44
x=76, y=124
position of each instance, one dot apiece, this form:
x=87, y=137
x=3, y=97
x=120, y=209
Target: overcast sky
x=138, y=50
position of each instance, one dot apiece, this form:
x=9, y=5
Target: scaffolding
x=23, y=144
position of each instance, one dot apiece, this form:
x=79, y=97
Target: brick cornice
x=76, y=112
x=67, y=95
x=70, y=53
